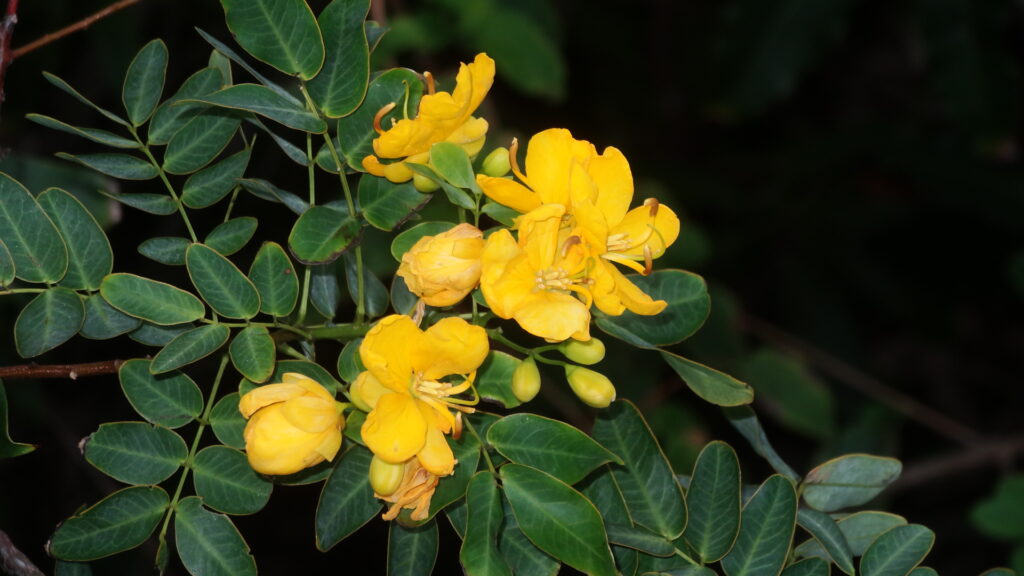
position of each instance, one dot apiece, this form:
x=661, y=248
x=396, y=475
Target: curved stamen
x=380, y=116
x=653, y=204
x=430, y=82
x=513, y=158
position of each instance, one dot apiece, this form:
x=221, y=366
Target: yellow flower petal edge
x=443, y=269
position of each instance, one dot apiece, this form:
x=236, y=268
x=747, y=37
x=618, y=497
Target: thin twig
x=80, y=25
x=995, y=452
x=843, y=372
x=6, y=31
x=13, y=561
x=72, y=371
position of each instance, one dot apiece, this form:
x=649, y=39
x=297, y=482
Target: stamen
x=457, y=428
x=653, y=204
x=430, y=82
x=513, y=158
x=419, y=311
x=380, y=116
x=569, y=243
x=648, y=260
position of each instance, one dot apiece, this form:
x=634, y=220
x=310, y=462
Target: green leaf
x=120, y=166
x=167, y=250
x=325, y=288
x=601, y=489
x=479, y=554
x=267, y=103
x=744, y=420
x=252, y=352
x=341, y=84
x=349, y=363
x=457, y=196
x=412, y=551
x=119, y=522
x=154, y=335
x=713, y=500
x=710, y=384
x=923, y=571
x=231, y=236
x=453, y=164
x=282, y=33
x=404, y=241
x=347, y=501
x=849, y=480
x=31, y=238
x=291, y=151
x=227, y=422
x=309, y=369
x=94, y=134
x=766, y=533
x=467, y=456
x=150, y=300
x=321, y=234
x=825, y=530
x=549, y=445
x=171, y=399
x=404, y=301
x=688, y=307
x=226, y=482
x=221, y=284
x=786, y=388
x=494, y=379
x=66, y=88
x=7, y=271
x=898, y=551
x=159, y=204
x=860, y=529
x=89, y=255
x=639, y=538
x=275, y=279
x=387, y=206
x=135, y=452
x=197, y=143
x=208, y=543
x=648, y=485
x=522, y=556
x=8, y=447
x=999, y=515
x=529, y=59
x=234, y=57
x=269, y=192
x=48, y=321
x=190, y=347
x=558, y=519
x=355, y=131
x=375, y=293
x=144, y=81
x=211, y=184
x=809, y=567
x=173, y=113
x=353, y=426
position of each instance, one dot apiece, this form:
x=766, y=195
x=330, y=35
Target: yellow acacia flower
x=407, y=384
x=414, y=492
x=292, y=425
x=443, y=269
x=442, y=117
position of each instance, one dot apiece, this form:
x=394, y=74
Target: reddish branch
x=13, y=561
x=72, y=371
x=80, y=25
x=6, y=31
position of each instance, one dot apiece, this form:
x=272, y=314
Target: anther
x=648, y=260
x=653, y=204
x=569, y=243
x=430, y=82
x=457, y=427
x=380, y=116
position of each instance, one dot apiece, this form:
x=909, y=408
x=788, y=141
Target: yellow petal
x=508, y=193
x=554, y=316
x=267, y=395
x=457, y=347
x=500, y=254
x=549, y=160
x=274, y=446
x=368, y=389
x=538, y=234
x=633, y=298
x=641, y=228
x=388, y=350
x=436, y=456
x=395, y=431
x=312, y=415
x=474, y=81
x=614, y=180
x=470, y=135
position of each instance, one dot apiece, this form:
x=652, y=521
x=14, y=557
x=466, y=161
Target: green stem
x=167, y=184
x=483, y=446
x=231, y=202
x=496, y=335
x=7, y=291
x=304, y=303
x=683, y=555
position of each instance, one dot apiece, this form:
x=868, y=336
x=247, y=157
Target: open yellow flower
x=292, y=425
x=408, y=385
x=443, y=269
x=442, y=117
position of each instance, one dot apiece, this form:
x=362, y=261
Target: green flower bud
x=593, y=388
x=588, y=352
x=497, y=163
x=424, y=184
x=526, y=380
x=385, y=477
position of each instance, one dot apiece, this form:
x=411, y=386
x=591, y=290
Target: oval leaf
x=520, y=554
x=809, y=567
x=120, y=166
x=321, y=234
x=745, y=421
x=825, y=530
x=190, y=347
x=274, y=277
x=849, y=480
x=167, y=250
x=150, y=300
x=226, y=482
x=103, y=321
x=766, y=534
x=171, y=399
x=347, y=501
x=135, y=452
x=89, y=255
x=31, y=238
x=7, y=270
x=117, y=523
x=386, y=205
x=451, y=162
x=494, y=378
x=479, y=554
x=231, y=236
x=898, y=551
x=159, y=204
x=713, y=500
x=252, y=353
x=282, y=33
x=227, y=422
x=173, y=114
x=201, y=140
x=710, y=384
x=549, y=445
x=341, y=84
x=48, y=321
x=688, y=307
x=208, y=543
x=375, y=293
x=404, y=241
x=267, y=103
x=412, y=550
x=154, y=335
x=94, y=134
x=221, y=284
x=211, y=184
x=144, y=81
x=310, y=369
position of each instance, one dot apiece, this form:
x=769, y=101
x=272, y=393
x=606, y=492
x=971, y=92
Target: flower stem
x=496, y=335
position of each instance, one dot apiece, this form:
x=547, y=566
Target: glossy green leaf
x=402, y=300
x=321, y=234
x=227, y=422
x=144, y=82
x=356, y=132
x=386, y=205
x=173, y=114
x=558, y=519
x=261, y=100
x=269, y=192
x=167, y=250
x=226, y=482
x=520, y=554
x=120, y=166
x=713, y=500
x=494, y=379
x=809, y=567
x=150, y=300
x=291, y=151
x=860, y=529
x=999, y=516
x=208, y=543
x=155, y=335
x=453, y=164
x=309, y=369
x=90, y=257
x=404, y=241
x=66, y=88
x=190, y=347
x=467, y=456
x=325, y=288
x=710, y=384
x=766, y=533
x=282, y=33
x=7, y=271
x=252, y=353
x=211, y=184
x=315, y=474
x=234, y=57
x=457, y=196
x=35, y=246
x=135, y=452
x=825, y=530
x=119, y=522
x=349, y=363
x=159, y=204
x=796, y=398
x=94, y=134
x=48, y=321
x=602, y=491
x=354, y=421
x=549, y=445
x=197, y=143
x=171, y=399
x=849, y=480
x=744, y=420
x=374, y=291
x=688, y=307
x=346, y=502
x=898, y=551
x=412, y=551
x=340, y=86
x=479, y=553
x=648, y=485
x=8, y=447
x=231, y=236
x=275, y=279
x=221, y=284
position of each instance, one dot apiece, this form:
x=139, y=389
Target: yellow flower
x=442, y=117
x=408, y=386
x=292, y=425
x=536, y=279
x=414, y=492
x=443, y=269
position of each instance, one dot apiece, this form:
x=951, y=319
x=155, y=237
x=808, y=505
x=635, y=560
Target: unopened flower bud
x=593, y=388
x=355, y=392
x=385, y=477
x=443, y=269
x=526, y=380
x=424, y=184
x=496, y=164
x=583, y=352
